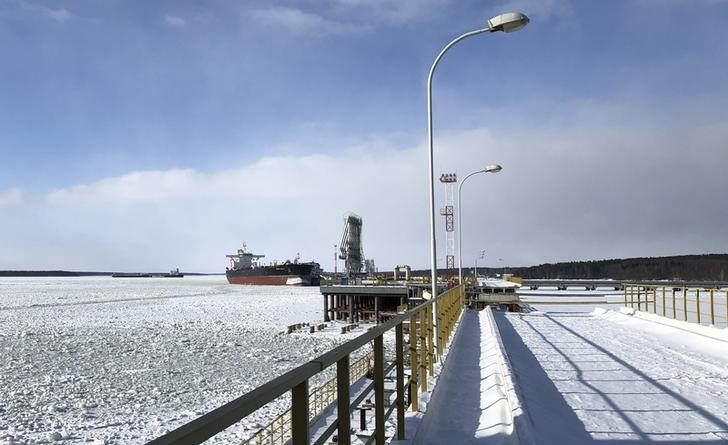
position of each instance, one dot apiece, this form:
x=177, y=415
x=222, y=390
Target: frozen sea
x=123, y=360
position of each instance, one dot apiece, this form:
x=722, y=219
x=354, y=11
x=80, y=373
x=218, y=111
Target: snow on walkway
x=605, y=378
x=471, y=401
x=611, y=378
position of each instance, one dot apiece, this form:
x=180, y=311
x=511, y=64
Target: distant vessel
x=246, y=269
x=175, y=273
x=131, y=275
x=172, y=274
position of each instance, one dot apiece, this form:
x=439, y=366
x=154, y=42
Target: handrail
x=449, y=309
x=358, y=369
x=638, y=294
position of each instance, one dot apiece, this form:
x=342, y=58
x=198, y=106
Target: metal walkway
x=584, y=379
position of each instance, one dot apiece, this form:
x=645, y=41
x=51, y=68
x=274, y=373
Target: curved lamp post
x=475, y=272
x=508, y=22
x=489, y=169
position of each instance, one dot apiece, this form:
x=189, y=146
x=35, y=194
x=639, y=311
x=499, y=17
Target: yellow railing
x=433, y=319
x=421, y=334
x=694, y=304
x=278, y=431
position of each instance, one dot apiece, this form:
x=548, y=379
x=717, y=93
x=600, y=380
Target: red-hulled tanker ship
x=246, y=269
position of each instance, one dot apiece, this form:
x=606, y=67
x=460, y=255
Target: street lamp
x=489, y=169
x=508, y=22
x=475, y=272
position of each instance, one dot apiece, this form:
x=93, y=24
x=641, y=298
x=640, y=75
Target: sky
x=153, y=135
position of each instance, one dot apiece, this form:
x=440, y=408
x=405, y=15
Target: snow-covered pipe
x=520, y=418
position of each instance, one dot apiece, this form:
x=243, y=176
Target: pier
x=359, y=303
x=479, y=350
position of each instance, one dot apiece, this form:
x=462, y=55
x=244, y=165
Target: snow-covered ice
x=125, y=360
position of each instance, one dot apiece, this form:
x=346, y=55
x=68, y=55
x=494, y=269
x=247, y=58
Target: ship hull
x=284, y=275
x=282, y=280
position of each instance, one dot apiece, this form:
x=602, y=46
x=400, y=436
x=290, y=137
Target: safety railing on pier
x=278, y=431
x=694, y=304
x=434, y=319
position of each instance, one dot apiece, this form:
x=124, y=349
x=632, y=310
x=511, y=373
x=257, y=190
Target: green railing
x=424, y=327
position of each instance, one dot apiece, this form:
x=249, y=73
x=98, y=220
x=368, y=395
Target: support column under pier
x=377, y=305
x=352, y=314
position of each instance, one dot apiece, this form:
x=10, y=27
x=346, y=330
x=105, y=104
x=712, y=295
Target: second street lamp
x=508, y=22
x=489, y=169
x=475, y=272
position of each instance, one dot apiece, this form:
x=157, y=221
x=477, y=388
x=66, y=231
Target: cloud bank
x=617, y=186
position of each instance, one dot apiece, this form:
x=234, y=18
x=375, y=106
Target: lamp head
x=508, y=22
x=495, y=168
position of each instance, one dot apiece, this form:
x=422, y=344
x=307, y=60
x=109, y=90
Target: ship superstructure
x=246, y=268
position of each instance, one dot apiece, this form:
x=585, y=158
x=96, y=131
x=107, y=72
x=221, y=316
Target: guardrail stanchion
x=685, y=303
x=430, y=346
x=664, y=308
x=423, y=351
x=639, y=302
x=712, y=308
x=414, y=366
x=439, y=327
x=343, y=399
x=299, y=414
x=379, y=390
x=399, y=346
x=697, y=303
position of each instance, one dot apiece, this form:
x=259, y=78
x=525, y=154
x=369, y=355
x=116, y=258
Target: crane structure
x=350, y=249
x=449, y=179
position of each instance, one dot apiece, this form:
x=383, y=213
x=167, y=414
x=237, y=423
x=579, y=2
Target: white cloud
x=543, y=11
x=174, y=21
x=13, y=196
x=609, y=183
x=296, y=20
x=60, y=15
x=393, y=11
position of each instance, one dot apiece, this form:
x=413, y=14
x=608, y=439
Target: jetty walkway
x=577, y=378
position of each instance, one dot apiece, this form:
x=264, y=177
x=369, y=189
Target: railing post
x=685, y=303
x=379, y=390
x=299, y=414
x=423, y=351
x=697, y=303
x=343, y=399
x=430, y=346
x=439, y=327
x=639, y=303
x=631, y=296
x=414, y=367
x=399, y=357
x=664, y=309
x=625, y=296
x=674, y=309
x=712, y=308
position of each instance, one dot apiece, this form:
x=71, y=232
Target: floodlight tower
x=449, y=179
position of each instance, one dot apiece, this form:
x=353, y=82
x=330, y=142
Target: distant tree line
x=682, y=267
x=48, y=273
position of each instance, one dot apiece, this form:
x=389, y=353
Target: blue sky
x=161, y=134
